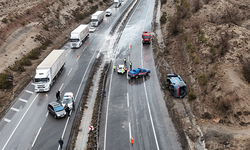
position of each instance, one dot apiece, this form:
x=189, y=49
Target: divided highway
x=27, y=124
x=135, y=107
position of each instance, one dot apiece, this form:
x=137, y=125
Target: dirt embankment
x=25, y=26
x=207, y=43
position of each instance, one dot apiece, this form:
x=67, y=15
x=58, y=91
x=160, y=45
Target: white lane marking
x=61, y=87
x=107, y=111
x=84, y=49
x=127, y=99
x=150, y=115
x=78, y=57
x=47, y=114
x=15, y=109
x=19, y=123
x=68, y=53
x=64, y=131
x=70, y=71
x=36, y=136
x=29, y=91
x=129, y=127
x=7, y=120
x=23, y=100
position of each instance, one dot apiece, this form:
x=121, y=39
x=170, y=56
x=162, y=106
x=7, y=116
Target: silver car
x=68, y=99
x=56, y=110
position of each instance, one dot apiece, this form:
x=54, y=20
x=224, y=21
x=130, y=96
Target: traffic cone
x=85, y=43
x=132, y=141
x=130, y=46
x=77, y=55
x=96, y=30
x=129, y=54
x=109, y=19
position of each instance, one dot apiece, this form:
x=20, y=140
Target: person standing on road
x=61, y=143
x=67, y=110
x=124, y=61
x=59, y=94
x=130, y=64
x=73, y=104
x=114, y=67
x=122, y=70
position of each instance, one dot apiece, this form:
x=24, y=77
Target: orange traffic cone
x=96, y=30
x=130, y=46
x=85, y=43
x=129, y=54
x=132, y=141
x=109, y=19
x=77, y=55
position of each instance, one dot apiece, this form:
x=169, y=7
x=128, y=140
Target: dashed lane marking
x=29, y=91
x=7, y=120
x=15, y=109
x=23, y=100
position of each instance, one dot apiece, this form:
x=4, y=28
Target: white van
x=108, y=12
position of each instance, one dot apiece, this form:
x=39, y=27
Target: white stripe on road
x=19, y=122
x=15, y=109
x=70, y=71
x=127, y=99
x=61, y=87
x=36, y=136
x=78, y=57
x=68, y=53
x=7, y=120
x=129, y=127
x=47, y=114
x=23, y=100
x=29, y=91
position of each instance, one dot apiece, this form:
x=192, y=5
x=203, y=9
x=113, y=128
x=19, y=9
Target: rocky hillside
x=207, y=43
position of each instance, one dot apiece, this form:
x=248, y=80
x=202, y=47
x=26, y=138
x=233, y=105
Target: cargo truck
x=97, y=18
x=48, y=70
x=117, y=3
x=79, y=35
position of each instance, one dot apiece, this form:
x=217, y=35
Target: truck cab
x=176, y=86
x=146, y=37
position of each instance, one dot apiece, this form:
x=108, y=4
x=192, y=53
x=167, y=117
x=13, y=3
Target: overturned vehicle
x=176, y=86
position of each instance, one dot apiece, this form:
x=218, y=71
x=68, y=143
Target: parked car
x=135, y=73
x=92, y=29
x=56, y=110
x=68, y=98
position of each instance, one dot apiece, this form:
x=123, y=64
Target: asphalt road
x=27, y=124
x=135, y=107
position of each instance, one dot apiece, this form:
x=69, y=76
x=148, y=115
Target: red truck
x=146, y=37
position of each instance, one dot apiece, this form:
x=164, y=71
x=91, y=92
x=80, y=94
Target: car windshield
x=92, y=28
x=146, y=37
x=58, y=108
x=74, y=40
x=94, y=20
x=41, y=80
x=67, y=100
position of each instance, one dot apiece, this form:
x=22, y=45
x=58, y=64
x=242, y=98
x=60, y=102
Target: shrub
x=47, y=11
x=11, y=18
x=39, y=38
x=40, y=15
x=190, y=47
x=202, y=38
x=58, y=8
x=202, y=32
x=213, y=51
x=5, y=82
x=46, y=27
x=47, y=42
x=186, y=4
x=25, y=61
x=91, y=1
x=57, y=15
x=174, y=26
x=203, y=79
x=224, y=43
x=186, y=38
x=231, y=15
x=163, y=19
x=206, y=1
x=34, y=54
x=196, y=60
x=246, y=71
x=93, y=8
x=178, y=7
x=4, y=20
x=163, y=2
x=191, y=56
x=191, y=96
x=28, y=11
x=17, y=67
x=210, y=45
x=23, y=23
x=101, y=3
x=197, y=5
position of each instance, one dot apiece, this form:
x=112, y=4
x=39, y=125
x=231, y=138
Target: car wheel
x=147, y=74
x=55, y=116
x=136, y=77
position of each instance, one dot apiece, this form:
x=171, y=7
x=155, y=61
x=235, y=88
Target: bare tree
x=174, y=26
x=197, y=5
x=231, y=15
x=224, y=46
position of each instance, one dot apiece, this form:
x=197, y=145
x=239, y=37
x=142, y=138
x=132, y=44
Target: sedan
x=92, y=29
x=56, y=110
x=135, y=73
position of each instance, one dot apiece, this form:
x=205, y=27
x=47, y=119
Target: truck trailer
x=117, y=3
x=78, y=36
x=48, y=70
x=97, y=18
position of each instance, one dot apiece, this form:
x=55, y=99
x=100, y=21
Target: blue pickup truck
x=135, y=73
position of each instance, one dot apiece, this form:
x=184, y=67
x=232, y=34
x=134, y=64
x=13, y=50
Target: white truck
x=108, y=12
x=48, y=70
x=117, y=3
x=78, y=35
x=97, y=18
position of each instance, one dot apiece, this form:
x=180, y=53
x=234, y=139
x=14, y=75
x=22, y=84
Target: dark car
x=135, y=73
x=56, y=110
